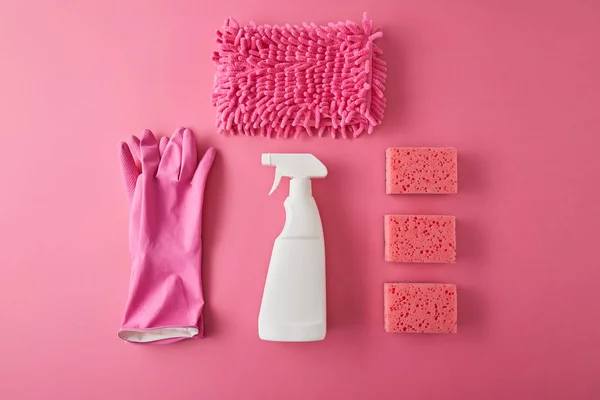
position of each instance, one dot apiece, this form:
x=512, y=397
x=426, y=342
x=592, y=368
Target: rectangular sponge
x=420, y=238
x=420, y=307
x=414, y=170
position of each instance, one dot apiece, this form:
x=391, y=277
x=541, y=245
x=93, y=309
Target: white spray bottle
x=294, y=307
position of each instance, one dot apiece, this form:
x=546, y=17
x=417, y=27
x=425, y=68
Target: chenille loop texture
x=283, y=81
x=165, y=299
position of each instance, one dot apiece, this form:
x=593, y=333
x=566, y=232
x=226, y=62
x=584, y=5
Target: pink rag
x=284, y=80
x=165, y=299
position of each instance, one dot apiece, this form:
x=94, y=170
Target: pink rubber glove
x=165, y=299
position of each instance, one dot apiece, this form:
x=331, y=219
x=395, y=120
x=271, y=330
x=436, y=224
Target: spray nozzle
x=294, y=166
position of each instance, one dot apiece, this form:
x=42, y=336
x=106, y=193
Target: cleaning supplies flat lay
x=165, y=299
x=414, y=170
x=420, y=238
x=293, y=307
x=420, y=307
x=281, y=81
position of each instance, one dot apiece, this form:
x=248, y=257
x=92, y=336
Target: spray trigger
x=276, y=182
x=294, y=166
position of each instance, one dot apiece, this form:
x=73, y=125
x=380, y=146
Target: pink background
x=514, y=85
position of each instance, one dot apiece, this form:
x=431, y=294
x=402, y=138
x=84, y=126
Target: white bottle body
x=294, y=307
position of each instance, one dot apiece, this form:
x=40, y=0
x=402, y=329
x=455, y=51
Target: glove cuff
x=157, y=334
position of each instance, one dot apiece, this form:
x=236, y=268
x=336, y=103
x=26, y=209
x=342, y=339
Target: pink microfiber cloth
x=280, y=81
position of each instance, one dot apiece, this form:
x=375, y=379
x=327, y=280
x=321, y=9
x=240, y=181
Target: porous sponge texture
x=420, y=308
x=419, y=170
x=420, y=238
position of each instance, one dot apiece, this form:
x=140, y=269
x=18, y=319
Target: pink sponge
x=412, y=170
x=420, y=307
x=420, y=238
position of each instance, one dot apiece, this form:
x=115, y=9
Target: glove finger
x=170, y=163
x=149, y=153
x=129, y=170
x=162, y=145
x=189, y=159
x=204, y=167
x=134, y=147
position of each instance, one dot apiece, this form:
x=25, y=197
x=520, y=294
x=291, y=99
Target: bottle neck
x=300, y=187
